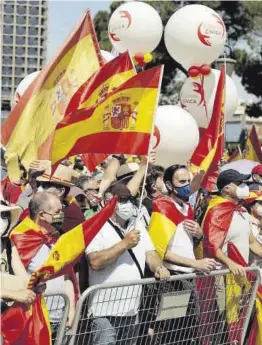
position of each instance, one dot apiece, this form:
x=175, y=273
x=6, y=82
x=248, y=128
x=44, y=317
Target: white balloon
x=23, y=85
x=195, y=35
x=135, y=26
x=106, y=55
x=176, y=135
x=199, y=101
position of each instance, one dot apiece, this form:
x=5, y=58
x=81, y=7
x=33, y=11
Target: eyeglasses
x=52, y=214
x=91, y=190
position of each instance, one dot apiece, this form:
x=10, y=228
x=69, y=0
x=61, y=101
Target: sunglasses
x=125, y=199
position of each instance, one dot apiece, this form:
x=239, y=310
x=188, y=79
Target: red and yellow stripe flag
x=164, y=221
x=211, y=145
x=121, y=123
x=101, y=83
x=21, y=325
x=71, y=245
x=27, y=131
x=253, y=147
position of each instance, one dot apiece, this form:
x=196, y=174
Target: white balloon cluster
x=195, y=36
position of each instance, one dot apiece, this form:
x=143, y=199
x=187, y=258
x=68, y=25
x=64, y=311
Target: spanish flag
x=121, y=123
x=253, y=147
x=71, y=245
x=101, y=83
x=27, y=131
x=164, y=221
x=211, y=146
x=21, y=325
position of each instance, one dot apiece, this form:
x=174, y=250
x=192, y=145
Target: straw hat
x=15, y=214
x=62, y=176
x=127, y=170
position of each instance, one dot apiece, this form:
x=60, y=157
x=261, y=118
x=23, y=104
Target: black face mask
x=58, y=221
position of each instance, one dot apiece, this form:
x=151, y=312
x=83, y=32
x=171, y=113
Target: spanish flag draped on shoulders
x=216, y=223
x=21, y=325
x=164, y=221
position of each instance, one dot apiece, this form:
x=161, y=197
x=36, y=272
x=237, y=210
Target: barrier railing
x=58, y=309
x=187, y=309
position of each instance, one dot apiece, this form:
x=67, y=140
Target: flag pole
x=150, y=144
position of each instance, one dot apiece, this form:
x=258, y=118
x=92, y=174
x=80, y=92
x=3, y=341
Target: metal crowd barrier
x=193, y=309
x=58, y=307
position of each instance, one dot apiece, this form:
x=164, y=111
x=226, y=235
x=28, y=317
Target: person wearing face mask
x=32, y=241
x=256, y=175
x=119, y=253
x=226, y=224
x=175, y=234
x=90, y=187
x=59, y=184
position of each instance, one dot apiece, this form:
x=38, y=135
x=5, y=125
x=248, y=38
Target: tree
x=243, y=20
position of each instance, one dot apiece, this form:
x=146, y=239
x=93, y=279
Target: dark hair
x=154, y=173
x=170, y=171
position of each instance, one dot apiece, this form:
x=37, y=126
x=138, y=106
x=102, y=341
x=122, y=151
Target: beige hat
x=126, y=170
x=15, y=214
x=62, y=176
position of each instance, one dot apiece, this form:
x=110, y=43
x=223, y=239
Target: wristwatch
x=199, y=239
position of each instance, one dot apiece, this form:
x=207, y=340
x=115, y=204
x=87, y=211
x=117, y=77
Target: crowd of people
x=125, y=249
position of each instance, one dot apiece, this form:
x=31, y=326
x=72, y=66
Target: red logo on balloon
x=204, y=33
x=156, y=134
x=124, y=14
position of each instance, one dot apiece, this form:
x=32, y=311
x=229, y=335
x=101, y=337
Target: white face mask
x=259, y=210
x=125, y=211
x=3, y=225
x=242, y=191
x=40, y=189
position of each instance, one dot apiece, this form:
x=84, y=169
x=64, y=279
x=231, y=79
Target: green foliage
x=243, y=20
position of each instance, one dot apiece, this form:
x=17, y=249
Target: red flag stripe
x=84, y=28
x=255, y=143
x=122, y=63
x=146, y=82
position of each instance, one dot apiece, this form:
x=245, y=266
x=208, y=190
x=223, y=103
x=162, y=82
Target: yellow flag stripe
x=46, y=317
x=250, y=152
x=24, y=226
x=72, y=243
x=66, y=137
x=44, y=110
x=161, y=229
x=114, y=82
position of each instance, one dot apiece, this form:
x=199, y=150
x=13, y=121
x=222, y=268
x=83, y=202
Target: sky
x=63, y=16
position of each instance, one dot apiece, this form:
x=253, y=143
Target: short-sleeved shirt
x=117, y=301
x=56, y=304
x=181, y=243
x=238, y=233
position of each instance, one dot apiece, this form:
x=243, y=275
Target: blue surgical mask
x=183, y=192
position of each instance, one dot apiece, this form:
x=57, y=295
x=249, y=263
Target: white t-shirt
x=181, y=243
x=54, y=304
x=238, y=234
x=117, y=301
x=255, y=228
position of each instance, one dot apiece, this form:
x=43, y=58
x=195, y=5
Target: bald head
x=43, y=201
